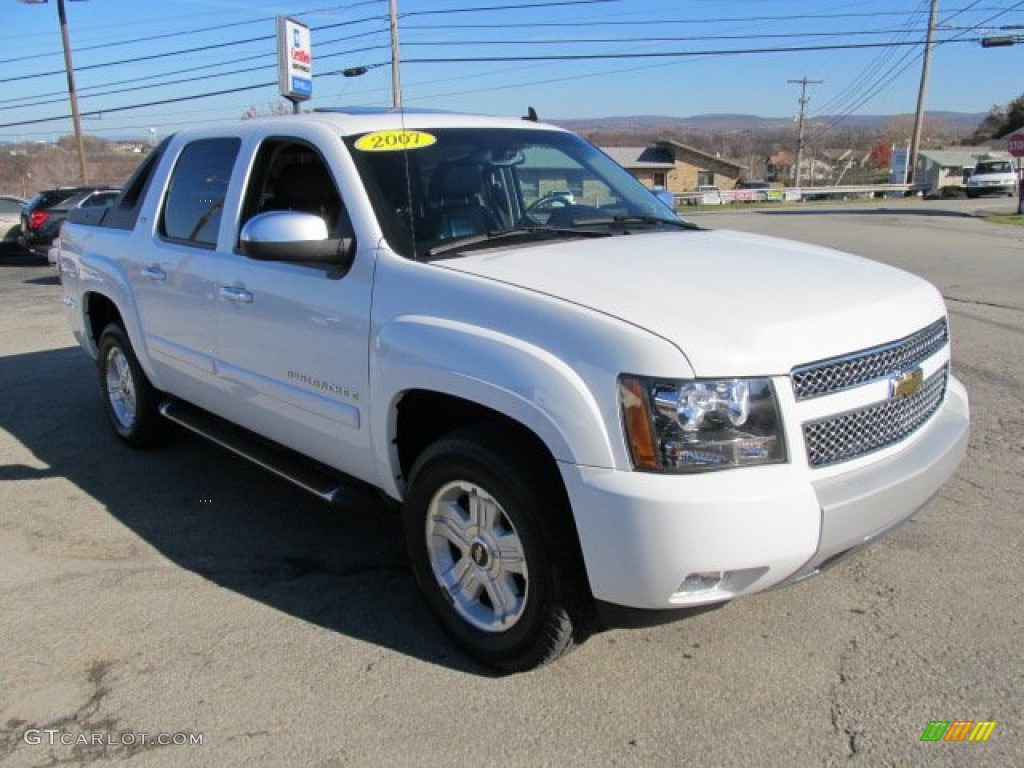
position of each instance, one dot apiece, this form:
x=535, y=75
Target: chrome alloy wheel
x=121, y=388
x=476, y=556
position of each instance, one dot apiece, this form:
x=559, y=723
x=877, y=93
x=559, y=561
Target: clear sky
x=566, y=58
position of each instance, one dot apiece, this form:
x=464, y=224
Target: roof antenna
x=531, y=115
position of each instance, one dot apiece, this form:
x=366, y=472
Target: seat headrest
x=456, y=181
x=305, y=186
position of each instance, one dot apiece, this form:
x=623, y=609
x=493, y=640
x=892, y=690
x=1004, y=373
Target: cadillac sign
x=294, y=60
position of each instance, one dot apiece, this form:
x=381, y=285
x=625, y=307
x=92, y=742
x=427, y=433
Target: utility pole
x=915, y=143
x=76, y=118
x=396, y=77
x=804, y=100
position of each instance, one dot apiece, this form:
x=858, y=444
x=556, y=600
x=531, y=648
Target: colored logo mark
x=958, y=730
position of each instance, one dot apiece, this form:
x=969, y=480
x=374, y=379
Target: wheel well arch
x=423, y=416
x=100, y=311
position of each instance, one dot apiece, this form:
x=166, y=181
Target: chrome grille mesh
x=856, y=433
x=839, y=373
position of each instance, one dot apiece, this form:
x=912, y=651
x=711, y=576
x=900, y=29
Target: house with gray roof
x=938, y=168
x=677, y=167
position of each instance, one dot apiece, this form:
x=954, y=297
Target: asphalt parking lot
x=186, y=594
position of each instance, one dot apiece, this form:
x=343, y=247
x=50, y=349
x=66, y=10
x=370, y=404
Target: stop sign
x=1016, y=144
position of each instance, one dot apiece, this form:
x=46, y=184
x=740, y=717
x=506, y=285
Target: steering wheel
x=541, y=210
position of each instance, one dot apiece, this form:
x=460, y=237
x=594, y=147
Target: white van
x=992, y=177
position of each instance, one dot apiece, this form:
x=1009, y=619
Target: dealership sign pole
x=294, y=61
x=1015, y=144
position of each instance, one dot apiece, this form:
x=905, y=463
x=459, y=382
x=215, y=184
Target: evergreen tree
x=1000, y=121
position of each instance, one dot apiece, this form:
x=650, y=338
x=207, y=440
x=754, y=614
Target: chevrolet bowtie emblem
x=906, y=384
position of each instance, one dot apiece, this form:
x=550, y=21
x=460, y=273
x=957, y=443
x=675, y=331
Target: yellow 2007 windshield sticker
x=394, y=141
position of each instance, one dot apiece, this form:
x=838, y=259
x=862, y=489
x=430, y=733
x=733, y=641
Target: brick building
x=677, y=167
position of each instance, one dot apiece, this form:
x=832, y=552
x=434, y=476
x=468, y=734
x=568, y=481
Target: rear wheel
x=494, y=551
x=128, y=398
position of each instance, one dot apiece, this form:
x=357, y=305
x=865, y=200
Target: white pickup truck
x=590, y=411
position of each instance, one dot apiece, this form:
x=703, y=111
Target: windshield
x=433, y=190
x=995, y=166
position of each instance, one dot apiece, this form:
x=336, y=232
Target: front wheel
x=494, y=551
x=128, y=398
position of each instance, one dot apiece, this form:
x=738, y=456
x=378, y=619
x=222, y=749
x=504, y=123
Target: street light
x=72, y=93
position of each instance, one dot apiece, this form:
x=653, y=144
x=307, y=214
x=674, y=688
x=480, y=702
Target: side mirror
x=293, y=236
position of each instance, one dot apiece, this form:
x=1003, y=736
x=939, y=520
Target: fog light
x=700, y=582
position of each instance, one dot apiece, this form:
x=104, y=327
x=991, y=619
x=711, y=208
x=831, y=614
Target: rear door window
x=195, y=196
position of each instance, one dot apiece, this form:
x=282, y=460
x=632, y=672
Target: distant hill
x=958, y=122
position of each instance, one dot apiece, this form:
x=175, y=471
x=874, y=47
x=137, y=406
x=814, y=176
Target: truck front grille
x=856, y=433
x=838, y=373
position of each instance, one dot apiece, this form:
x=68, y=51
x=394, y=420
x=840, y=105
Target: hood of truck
x=733, y=303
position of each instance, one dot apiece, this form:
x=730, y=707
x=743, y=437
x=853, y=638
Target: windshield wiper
x=468, y=241
x=626, y=221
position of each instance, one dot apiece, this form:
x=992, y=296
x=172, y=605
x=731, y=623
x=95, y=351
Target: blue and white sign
x=295, y=59
x=900, y=165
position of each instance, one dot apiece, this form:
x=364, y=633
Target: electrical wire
x=889, y=47
x=885, y=62
x=906, y=62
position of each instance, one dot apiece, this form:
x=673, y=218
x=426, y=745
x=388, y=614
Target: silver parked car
x=10, y=217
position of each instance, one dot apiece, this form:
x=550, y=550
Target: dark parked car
x=44, y=213
x=752, y=184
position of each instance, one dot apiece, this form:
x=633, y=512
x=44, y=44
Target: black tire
x=517, y=595
x=129, y=399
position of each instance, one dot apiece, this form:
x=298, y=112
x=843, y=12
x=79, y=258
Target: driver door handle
x=235, y=294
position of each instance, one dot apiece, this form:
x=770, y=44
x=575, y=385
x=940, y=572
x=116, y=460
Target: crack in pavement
x=94, y=736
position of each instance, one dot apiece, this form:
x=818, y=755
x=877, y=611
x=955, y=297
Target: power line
x=349, y=51
x=550, y=57
x=880, y=64
x=181, y=33
x=265, y=38
x=674, y=39
x=889, y=47
x=150, y=57
x=507, y=7
x=660, y=22
x=668, y=54
x=907, y=60
x=160, y=102
x=183, y=51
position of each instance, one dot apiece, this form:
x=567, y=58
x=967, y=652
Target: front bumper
x=643, y=534
x=992, y=189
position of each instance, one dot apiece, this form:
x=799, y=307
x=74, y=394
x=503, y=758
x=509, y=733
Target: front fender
x=506, y=374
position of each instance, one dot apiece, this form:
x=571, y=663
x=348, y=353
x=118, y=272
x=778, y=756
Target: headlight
x=700, y=425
